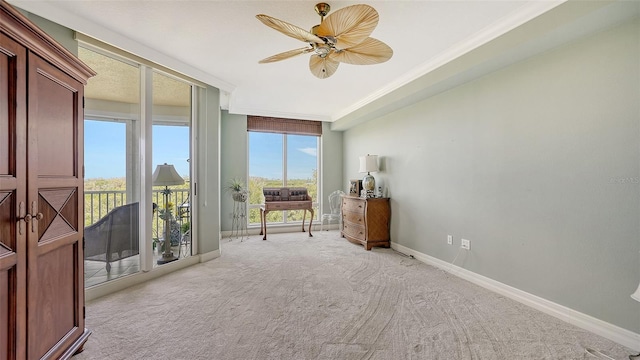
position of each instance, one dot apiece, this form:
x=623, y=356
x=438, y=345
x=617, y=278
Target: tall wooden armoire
x=41, y=193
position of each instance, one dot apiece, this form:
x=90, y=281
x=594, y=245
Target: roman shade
x=284, y=126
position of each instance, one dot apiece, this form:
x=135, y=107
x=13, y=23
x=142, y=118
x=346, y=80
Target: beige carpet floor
x=295, y=297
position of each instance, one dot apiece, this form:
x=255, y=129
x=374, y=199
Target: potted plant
x=185, y=227
x=236, y=187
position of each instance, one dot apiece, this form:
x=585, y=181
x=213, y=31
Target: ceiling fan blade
x=322, y=67
x=288, y=29
x=370, y=51
x=285, y=55
x=349, y=25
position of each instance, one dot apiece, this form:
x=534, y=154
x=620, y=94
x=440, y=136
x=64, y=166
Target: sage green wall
x=233, y=146
x=331, y=160
x=63, y=35
x=234, y=150
x=538, y=164
x=208, y=170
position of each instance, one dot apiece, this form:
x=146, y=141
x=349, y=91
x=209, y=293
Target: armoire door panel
x=4, y=252
x=12, y=191
x=7, y=221
x=59, y=209
x=6, y=297
x=7, y=89
x=5, y=136
x=12, y=106
x=8, y=259
x=52, y=294
x=56, y=127
x=55, y=291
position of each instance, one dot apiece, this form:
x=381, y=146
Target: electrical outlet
x=466, y=244
x=449, y=239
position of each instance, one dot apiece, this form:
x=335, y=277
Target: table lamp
x=166, y=175
x=368, y=164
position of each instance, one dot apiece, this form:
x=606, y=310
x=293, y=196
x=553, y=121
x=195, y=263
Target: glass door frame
x=144, y=186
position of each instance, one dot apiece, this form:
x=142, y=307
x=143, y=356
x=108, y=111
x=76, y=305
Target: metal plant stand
x=239, y=224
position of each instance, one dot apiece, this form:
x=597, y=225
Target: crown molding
x=506, y=24
x=239, y=110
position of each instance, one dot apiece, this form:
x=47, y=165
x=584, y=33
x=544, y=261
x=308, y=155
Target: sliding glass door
x=112, y=168
x=171, y=146
x=118, y=155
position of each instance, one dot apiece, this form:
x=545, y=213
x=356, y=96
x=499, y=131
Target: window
x=281, y=160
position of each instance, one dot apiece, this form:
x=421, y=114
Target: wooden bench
x=285, y=198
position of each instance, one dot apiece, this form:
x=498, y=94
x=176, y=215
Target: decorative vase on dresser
x=366, y=221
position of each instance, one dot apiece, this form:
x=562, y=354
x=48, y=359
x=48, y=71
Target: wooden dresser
x=366, y=221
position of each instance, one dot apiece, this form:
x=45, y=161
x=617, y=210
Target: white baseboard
x=612, y=332
x=250, y=231
x=210, y=255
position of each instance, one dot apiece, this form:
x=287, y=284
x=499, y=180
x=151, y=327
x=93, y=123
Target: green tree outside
x=256, y=197
x=103, y=195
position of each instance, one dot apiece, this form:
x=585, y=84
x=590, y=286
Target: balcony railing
x=97, y=204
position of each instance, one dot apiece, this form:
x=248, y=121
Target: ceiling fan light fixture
x=350, y=27
x=321, y=50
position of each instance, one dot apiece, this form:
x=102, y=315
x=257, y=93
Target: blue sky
x=265, y=155
x=105, y=148
x=105, y=151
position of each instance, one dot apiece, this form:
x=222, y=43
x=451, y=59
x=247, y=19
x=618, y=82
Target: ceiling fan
x=342, y=36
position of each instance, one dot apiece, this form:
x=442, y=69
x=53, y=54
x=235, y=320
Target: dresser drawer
x=353, y=230
x=352, y=217
x=353, y=205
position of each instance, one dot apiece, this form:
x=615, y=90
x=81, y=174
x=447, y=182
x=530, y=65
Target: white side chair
x=335, y=209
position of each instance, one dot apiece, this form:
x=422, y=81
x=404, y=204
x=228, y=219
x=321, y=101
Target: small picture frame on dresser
x=355, y=186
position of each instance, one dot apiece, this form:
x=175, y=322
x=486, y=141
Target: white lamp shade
x=368, y=163
x=166, y=175
x=636, y=295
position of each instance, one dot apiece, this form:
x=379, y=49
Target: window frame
x=315, y=203
x=146, y=71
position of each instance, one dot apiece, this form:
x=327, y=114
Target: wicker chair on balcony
x=114, y=237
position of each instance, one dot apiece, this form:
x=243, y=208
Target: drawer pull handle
x=360, y=206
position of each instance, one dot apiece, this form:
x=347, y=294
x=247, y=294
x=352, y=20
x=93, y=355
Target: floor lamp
x=166, y=175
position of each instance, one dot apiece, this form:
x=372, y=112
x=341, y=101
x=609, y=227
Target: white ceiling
x=221, y=42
